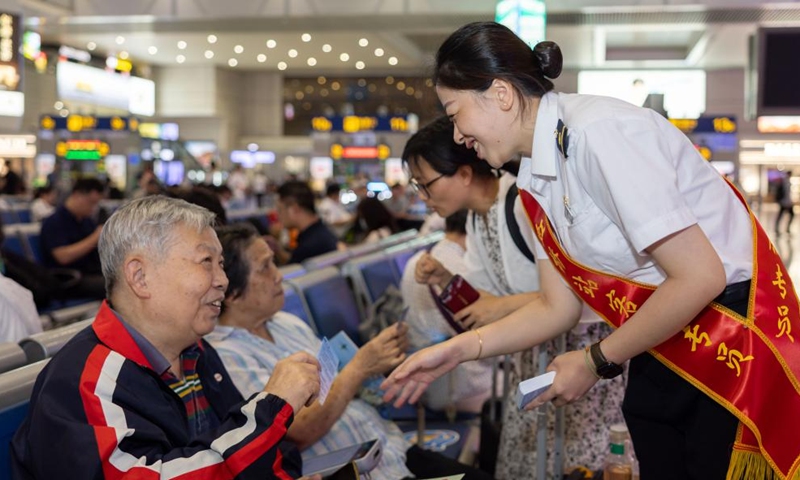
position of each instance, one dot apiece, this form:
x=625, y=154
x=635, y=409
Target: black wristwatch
x=603, y=367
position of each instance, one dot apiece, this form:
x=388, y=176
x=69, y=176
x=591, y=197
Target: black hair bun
x=550, y=59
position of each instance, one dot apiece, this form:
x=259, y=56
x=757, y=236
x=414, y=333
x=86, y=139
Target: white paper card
x=531, y=388
x=328, y=363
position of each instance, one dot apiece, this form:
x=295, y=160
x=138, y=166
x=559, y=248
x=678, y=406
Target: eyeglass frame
x=423, y=188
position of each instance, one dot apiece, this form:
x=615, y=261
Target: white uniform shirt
x=632, y=179
x=522, y=275
x=18, y=316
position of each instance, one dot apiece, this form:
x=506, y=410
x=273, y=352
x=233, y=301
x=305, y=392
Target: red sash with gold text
x=748, y=365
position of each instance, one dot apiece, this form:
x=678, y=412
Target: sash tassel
x=746, y=463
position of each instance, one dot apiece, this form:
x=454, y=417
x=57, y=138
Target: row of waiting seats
x=336, y=295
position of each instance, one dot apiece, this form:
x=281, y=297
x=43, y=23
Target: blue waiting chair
x=15, y=393
x=330, y=302
x=295, y=304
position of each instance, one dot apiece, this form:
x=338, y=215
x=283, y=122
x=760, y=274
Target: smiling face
x=263, y=294
x=446, y=195
x=186, y=286
x=483, y=121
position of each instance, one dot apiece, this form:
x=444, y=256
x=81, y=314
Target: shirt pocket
x=594, y=240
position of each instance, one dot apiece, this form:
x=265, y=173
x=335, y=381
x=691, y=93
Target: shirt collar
x=121, y=337
x=158, y=362
x=544, y=151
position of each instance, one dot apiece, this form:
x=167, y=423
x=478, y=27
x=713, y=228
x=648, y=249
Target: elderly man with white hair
x=140, y=394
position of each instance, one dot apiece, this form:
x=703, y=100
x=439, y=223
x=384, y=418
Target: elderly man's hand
x=296, y=380
x=383, y=352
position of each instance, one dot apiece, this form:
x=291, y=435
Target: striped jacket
x=98, y=410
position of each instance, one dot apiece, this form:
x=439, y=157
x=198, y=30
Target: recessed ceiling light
x=238, y=49
x=123, y=55
x=293, y=53
x=327, y=48
x=209, y=54
x=212, y=38
x=321, y=80
x=180, y=59
x=379, y=52
x=181, y=45
x=389, y=80
x=282, y=65
x=363, y=42
x=271, y=43
x=311, y=61
x=360, y=65
x=58, y=105
x=410, y=90
x=64, y=113
x=392, y=60
x=152, y=50
x=261, y=58
x=344, y=57
x=91, y=46
x=362, y=82
x=335, y=86
x=233, y=62
x=306, y=37
x=120, y=40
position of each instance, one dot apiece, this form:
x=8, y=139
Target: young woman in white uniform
x=627, y=195
x=496, y=266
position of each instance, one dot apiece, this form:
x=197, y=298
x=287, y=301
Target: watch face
x=609, y=370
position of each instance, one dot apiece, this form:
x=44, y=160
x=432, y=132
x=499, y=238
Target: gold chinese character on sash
x=621, y=304
x=695, y=338
x=540, y=230
x=556, y=261
x=779, y=281
x=586, y=286
x=784, y=323
x=732, y=358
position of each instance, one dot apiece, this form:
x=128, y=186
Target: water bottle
x=618, y=464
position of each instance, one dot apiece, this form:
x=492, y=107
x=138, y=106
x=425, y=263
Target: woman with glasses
x=449, y=177
x=632, y=221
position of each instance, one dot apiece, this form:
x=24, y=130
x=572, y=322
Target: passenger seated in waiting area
x=253, y=334
x=139, y=394
x=470, y=384
x=18, y=316
x=69, y=237
x=296, y=210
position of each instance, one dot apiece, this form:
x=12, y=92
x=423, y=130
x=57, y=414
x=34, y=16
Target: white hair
x=147, y=224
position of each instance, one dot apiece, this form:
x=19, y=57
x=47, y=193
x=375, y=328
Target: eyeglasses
x=423, y=188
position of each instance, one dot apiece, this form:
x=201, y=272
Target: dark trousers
x=790, y=211
x=678, y=432
x=425, y=464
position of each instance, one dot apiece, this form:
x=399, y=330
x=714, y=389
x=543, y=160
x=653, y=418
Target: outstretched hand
x=409, y=381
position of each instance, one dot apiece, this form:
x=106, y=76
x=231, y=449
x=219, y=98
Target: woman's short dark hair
x=457, y=222
x=434, y=144
x=235, y=240
x=375, y=215
x=477, y=53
